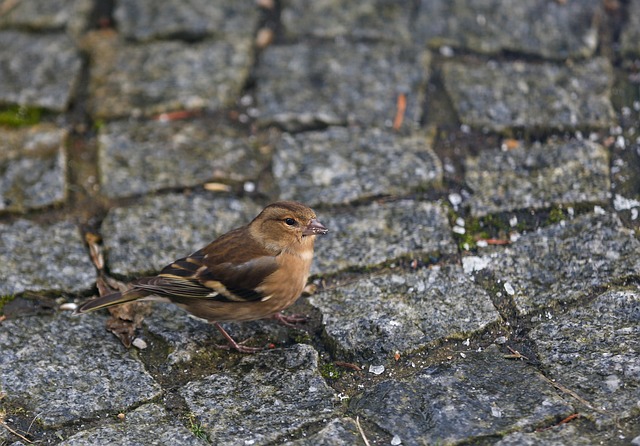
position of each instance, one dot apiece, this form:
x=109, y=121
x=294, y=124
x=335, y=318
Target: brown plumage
x=250, y=273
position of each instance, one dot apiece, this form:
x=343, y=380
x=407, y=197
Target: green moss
x=16, y=116
x=555, y=216
x=5, y=300
x=196, y=428
x=329, y=371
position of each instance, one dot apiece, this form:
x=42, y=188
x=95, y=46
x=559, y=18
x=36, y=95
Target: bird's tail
x=110, y=300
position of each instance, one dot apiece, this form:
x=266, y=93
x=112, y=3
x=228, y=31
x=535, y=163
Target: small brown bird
x=250, y=273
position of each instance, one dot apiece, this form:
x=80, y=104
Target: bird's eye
x=290, y=221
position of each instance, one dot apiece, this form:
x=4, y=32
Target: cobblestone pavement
x=477, y=162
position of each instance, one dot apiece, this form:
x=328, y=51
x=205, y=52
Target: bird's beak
x=314, y=228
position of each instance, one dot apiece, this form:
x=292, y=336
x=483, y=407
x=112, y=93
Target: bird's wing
x=229, y=270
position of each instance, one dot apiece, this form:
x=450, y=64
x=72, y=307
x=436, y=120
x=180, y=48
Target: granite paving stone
x=565, y=261
x=339, y=82
x=33, y=169
x=189, y=338
x=375, y=316
x=630, y=37
x=562, y=435
x=540, y=176
x=148, y=424
x=373, y=20
x=72, y=15
x=339, y=432
x=136, y=79
x=593, y=350
x=266, y=397
x=192, y=19
x=342, y=165
x=141, y=157
x=43, y=258
x=502, y=95
x=481, y=395
x=65, y=369
x=560, y=30
x=38, y=70
x=381, y=232
x=144, y=238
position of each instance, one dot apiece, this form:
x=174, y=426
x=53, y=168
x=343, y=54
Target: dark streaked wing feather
x=239, y=271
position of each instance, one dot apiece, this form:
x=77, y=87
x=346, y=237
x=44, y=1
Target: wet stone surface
x=64, y=368
x=147, y=20
x=37, y=71
x=144, y=238
x=374, y=317
x=501, y=95
x=148, y=424
x=266, y=397
x=57, y=259
x=593, y=349
x=381, y=232
x=131, y=80
x=32, y=167
x=462, y=400
x=538, y=177
x=561, y=29
x=341, y=165
x=140, y=157
x=565, y=261
x=378, y=20
x=333, y=83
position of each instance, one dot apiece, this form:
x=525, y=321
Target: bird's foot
x=290, y=320
x=232, y=344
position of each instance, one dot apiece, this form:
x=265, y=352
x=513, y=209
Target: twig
x=401, y=108
x=515, y=354
x=572, y=393
x=22, y=437
x=364, y=437
x=347, y=365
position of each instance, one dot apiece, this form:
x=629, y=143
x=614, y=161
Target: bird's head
x=287, y=225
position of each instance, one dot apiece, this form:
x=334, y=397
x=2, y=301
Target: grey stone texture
x=70, y=15
x=193, y=19
x=338, y=432
x=64, y=368
x=163, y=125
x=375, y=316
x=38, y=71
x=560, y=29
x=46, y=258
x=540, y=176
x=342, y=165
x=382, y=232
x=33, y=168
x=388, y=20
x=338, y=82
x=266, y=397
x=148, y=424
x=141, y=157
x=463, y=400
x=630, y=37
x=135, y=79
x=547, y=96
x=565, y=261
x=144, y=238
x=597, y=357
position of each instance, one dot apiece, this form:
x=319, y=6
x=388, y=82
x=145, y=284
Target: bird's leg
x=289, y=320
x=233, y=344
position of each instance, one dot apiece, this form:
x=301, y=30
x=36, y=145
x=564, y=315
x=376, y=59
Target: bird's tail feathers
x=110, y=300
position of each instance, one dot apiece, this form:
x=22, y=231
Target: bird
x=250, y=273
